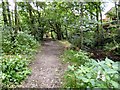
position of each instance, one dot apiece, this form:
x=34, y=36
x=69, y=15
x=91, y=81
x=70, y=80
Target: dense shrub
x=101, y=74
x=23, y=44
x=17, y=52
x=78, y=58
x=7, y=44
x=113, y=47
x=14, y=69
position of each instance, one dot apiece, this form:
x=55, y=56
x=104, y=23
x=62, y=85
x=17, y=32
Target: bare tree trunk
x=66, y=32
x=39, y=15
x=4, y=13
x=116, y=11
x=31, y=18
x=8, y=11
x=102, y=32
x=97, y=18
x=81, y=29
x=119, y=12
x=16, y=18
x=58, y=31
x=97, y=35
x=12, y=18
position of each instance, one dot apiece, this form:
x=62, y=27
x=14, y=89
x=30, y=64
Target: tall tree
x=8, y=11
x=81, y=29
x=4, y=13
x=116, y=9
x=31, y=18
x=119, y=12
x=38, y=4
x=101, y=30
x=16, y=18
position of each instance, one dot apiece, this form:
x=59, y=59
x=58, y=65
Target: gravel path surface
x=47, y=69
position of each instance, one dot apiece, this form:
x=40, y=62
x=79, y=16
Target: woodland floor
x=47, y=68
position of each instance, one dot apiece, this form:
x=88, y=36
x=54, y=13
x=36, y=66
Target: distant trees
x=64, y=20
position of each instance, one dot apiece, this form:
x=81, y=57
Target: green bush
x=14, y=69
x=114, y=47
x=78, y=58
x=7, y=44
x=16, y=56
x=101, y=74
x=23, y=44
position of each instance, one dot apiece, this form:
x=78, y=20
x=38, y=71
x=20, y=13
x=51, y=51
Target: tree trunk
x=16, y=19
x=66, y=33
x=116, y=10
x=39, y=15
x=97, y=28
x=81, y=29
x=12, y=18
x=52, y=34
x=97, y=18
x=4, y=13
x=102, y=32
x=58, y=31
x=31, y=18
x=119, y=13
x=8, y=11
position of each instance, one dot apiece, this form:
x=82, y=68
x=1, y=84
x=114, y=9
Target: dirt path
x=47, y=69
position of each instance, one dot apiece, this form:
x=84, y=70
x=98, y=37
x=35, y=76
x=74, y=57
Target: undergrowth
x=84, y=72
x=16, y=56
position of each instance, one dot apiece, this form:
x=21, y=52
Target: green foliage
x=14, y=69
x=17, y=52
x=6, y=41
x=75, y=57
x=101, y=74
x=114, y=47
x=111, y=13
x=23, y=43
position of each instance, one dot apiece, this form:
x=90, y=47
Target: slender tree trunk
x=58, y=30
x=81, y=29
x=52, y=34
x=116, y=11
x=16, y=19
x=8, y=11
x=30, y=14
x=66, y=32
x=12, y=19
x=97, y=18
x=119, y=13
x=91, y=15
x=119, y=18
x=102, y=32
x=31, y=18
x=39, y=15
x=97, y=28
x=4, y=13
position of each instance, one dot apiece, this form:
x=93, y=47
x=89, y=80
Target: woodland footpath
x=59, y=44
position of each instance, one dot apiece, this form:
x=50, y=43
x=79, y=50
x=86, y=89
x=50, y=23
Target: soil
x=101, y=55
x=47, y=68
